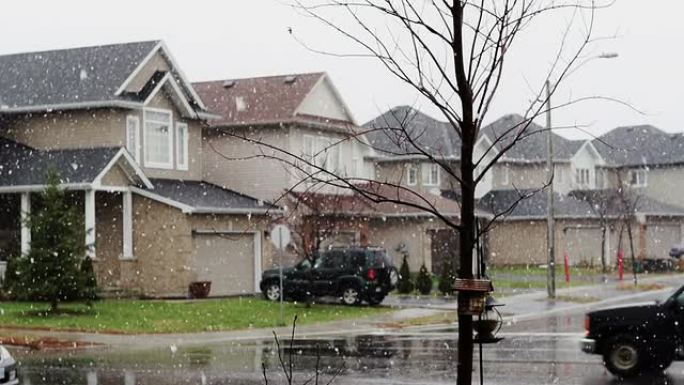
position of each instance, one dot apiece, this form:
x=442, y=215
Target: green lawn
x=137, y=316
x=541, y=271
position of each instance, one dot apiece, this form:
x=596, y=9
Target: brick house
x=515, y=185
x=122, y=126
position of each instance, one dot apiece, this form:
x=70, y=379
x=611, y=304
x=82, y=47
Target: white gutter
x=70, y=106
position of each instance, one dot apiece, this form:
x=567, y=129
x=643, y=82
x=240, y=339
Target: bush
x=447, y=279
x=405, y=285
x=424, y=281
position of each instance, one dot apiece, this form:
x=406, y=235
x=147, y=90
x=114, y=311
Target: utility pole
x=550, y=225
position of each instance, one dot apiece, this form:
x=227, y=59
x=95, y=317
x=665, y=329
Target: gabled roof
x=532, y=146
x=25, y=168
x=636, y=146
x=85, y=77
x=261, y=100
x=404, y=131
x=197, y=197
x=532, y=204
x=390, y=133
x=356, y=204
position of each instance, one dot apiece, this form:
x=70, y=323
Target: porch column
x=127, y=224
x=25, y=211
x=90, y=222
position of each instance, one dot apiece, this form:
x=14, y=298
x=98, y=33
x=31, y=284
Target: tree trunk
x=631, y=247
x=603, y=253
x=467, y=240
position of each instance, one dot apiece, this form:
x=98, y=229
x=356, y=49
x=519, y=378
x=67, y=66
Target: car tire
x=272, y=291
x=376, y=299
x=351, y=295
x=625, y=357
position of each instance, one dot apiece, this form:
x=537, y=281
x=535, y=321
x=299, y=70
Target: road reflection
x=420, y=358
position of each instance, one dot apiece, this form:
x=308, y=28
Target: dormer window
x=158, y=138
x=582, y=177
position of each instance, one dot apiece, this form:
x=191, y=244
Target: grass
x=576, y=298
x=443, y=318
x=136, y=316
x=641, y=286
x=533, y=270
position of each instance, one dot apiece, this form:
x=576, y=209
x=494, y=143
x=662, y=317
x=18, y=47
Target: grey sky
x=244, y=38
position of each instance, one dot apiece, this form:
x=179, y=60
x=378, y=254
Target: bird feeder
x=472, y=294
x=489, y=323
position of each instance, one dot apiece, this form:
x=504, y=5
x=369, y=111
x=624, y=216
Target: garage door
x=659, y=239
x=583, y=246
x=227, y=260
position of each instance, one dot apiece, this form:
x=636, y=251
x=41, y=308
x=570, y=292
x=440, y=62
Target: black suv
x=638, y=339
x=352, y=274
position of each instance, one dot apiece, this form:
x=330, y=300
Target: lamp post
x=550, y=225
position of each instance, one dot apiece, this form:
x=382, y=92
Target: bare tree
x=452, y=53
x=627, y=207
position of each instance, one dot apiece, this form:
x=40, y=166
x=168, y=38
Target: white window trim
x=409, y=168
x=136, y=121
x=427, y=181
x=641, y=182
x=148, y=163
x=182, y=146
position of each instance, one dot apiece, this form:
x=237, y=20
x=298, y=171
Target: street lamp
x=550, y=225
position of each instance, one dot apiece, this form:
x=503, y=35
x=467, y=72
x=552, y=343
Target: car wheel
x=272, y=291
x=351, y=295
x=625, y=357
x=394, y=277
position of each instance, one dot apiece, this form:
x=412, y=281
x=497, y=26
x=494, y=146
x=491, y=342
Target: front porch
x=108, y=219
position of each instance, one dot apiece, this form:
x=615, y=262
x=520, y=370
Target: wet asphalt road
x=536, y=351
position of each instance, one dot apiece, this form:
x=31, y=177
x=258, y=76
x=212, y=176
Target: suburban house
x=122, y=127
x=414, y=149
x=272, y=127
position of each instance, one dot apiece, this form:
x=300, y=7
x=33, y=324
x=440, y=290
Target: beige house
x=273, y=126
x=122, y=126
x=513, y=189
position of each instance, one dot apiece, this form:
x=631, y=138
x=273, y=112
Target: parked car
x=676, y=251
x=353, y=274
x=8, y=368
x=638, y=339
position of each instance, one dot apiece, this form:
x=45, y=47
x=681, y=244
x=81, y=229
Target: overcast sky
x=243, y=38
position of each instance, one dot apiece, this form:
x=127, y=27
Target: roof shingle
x=262, y=100
x=67, y=76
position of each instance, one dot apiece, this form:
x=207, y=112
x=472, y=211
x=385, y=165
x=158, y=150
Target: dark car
x=638, y=339
x=8, y=368
x=353, y=274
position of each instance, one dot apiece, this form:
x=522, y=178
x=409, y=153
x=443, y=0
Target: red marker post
x=566, y=258
x=621, y=265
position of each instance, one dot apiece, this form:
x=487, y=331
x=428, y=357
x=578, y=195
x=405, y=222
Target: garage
x=583, y=245
x=660, y=238
x=228, y=260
